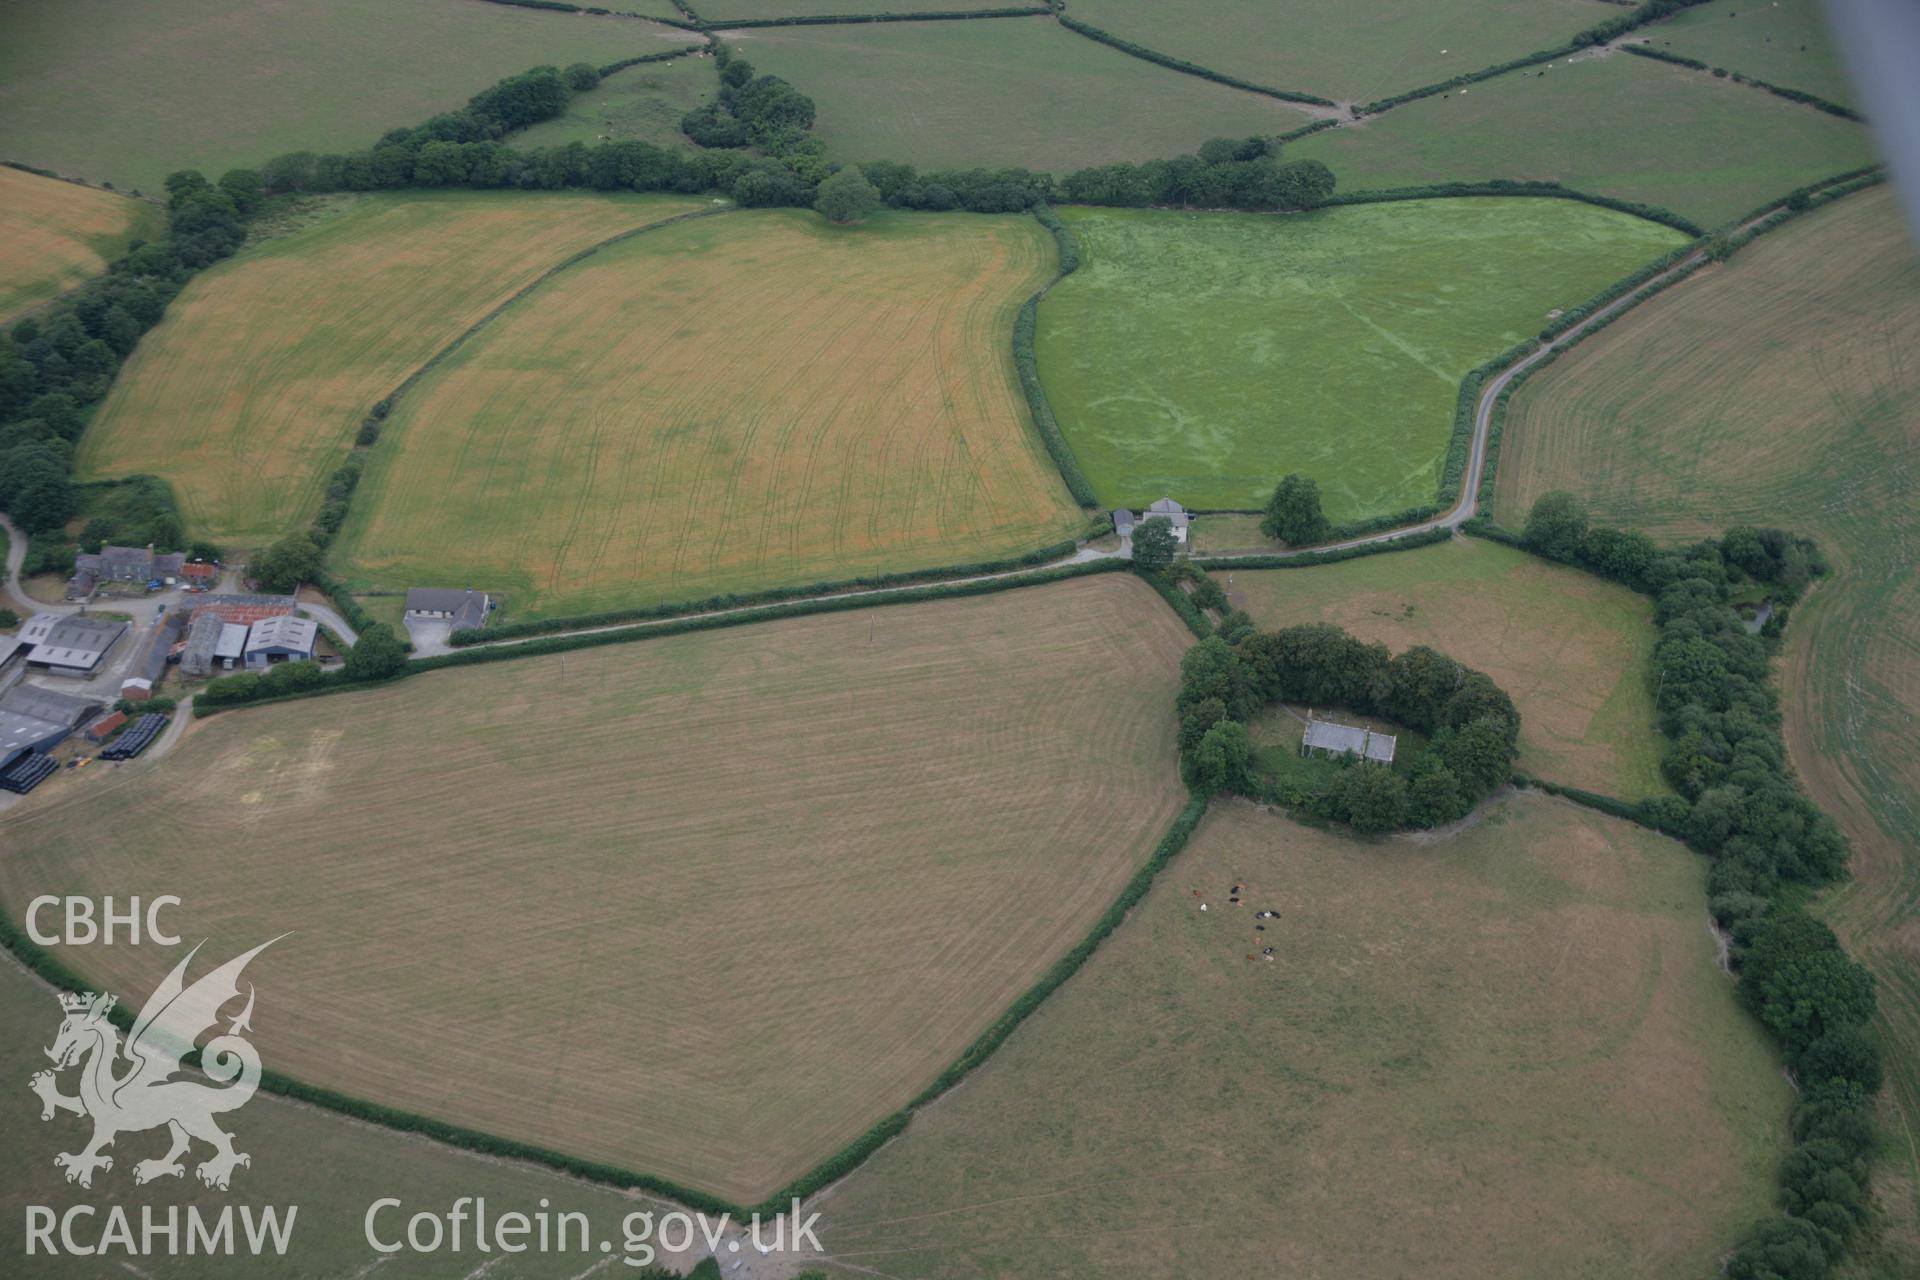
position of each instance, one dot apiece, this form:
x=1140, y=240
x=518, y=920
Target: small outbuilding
x=283, y=638
x=105, y=725
x=138, y=689
x=231, y=647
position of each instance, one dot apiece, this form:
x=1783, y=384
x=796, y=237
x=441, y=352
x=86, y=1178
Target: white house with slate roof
x=460, y=610
x=1347, y=740
x=1125, y=522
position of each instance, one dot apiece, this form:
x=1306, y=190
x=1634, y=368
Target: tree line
x=54, y=365
x=1225, y=680
x=755, y=143
x=1768, y=843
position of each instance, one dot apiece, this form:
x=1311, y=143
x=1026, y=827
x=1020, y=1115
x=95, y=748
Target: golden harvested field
x=1505, y=1054
x=1784, y=388
x=1572, y=650
x=54, y=235
x=288, y=1142
x=705, y=907
x=248, y=393
x=737, y=402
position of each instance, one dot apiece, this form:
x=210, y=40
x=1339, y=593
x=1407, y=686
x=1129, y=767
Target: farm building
x=35, y=719
x=460, y=609
x=283, y=638
x=99, y=729
x=1125, y=523
x=11, y=647
x=35, y=629
x=243, y=609
x=1347, y=740
x=136, y=689
x=199, y=573
x=202, y=638
x=74, y=646
x=231, y=647
x=121, y=564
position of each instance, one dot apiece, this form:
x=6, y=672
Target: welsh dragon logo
x=132, y=1088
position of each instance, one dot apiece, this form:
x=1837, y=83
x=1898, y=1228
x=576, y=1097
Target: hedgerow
x=1544, y=188
x=1791, y=95
x=55, y=364
x=845, y=19
x=1027, y=367
x=1600, y=33
x=1180, y=64
x=737, y=600
x=1308, y=559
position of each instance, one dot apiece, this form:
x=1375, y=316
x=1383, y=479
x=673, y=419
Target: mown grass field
x=1572, y=650
x=288, y=1142
x=737, y=402
x=1207, y=355
x=1784, y=389
x=54, y=235
x=705, y=907
x=642, y=104
x=249, y=392
x=1707, y=149
x=1784, y=42
x=125, y=94
x=1338, y=52
x=1000, y=92
x=1509, y=1053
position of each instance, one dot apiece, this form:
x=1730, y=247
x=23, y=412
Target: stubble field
x=739, y=402
x=288, y=1142
x=1205, y=355
x=56, y=235
x=1509, y=1053
x=249, y=392
x=705, y=907
x=1783, y=389
x=1572, y=651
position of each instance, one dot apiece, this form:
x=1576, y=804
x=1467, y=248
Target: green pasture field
x=54, y=235
x=998, y=93
x=245, y=403
x=751, y=400
x=1505, y=1053
x=127, y=94
x=751, y=890
x=1782, y=389
x=641, y=104
x=288, y=1142
x=1707, y=149
x=1342, y=52
x=1205, y=355
x=1572, y=650
x=722, y=11
x=1783, y=42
